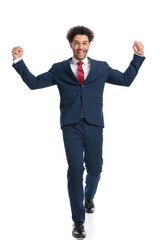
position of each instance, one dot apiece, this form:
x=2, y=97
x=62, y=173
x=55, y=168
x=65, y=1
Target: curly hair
x=80, y=30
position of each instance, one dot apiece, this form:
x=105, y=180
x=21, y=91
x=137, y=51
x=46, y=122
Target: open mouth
x=80, y=53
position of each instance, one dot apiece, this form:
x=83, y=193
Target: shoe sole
x=89, y=210
x=79, y=238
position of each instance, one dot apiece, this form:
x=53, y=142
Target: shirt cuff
x=139, y=55
x=17, y=60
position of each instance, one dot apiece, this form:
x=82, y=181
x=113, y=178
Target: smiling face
x=80, y=46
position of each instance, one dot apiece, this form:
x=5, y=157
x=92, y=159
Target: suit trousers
x=83, y=146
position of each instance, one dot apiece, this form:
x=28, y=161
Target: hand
x=138, y=48
x=17, y=52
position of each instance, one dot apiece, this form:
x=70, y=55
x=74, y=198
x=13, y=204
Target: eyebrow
x=85, y=41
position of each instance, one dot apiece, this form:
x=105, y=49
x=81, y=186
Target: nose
x=80, y=46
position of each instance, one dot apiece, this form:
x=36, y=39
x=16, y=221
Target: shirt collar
x=75, y=61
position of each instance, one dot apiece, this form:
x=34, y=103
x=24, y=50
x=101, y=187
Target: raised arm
x=41, y=81
x=125, y=79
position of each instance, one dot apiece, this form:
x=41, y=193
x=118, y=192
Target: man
x=81, y=81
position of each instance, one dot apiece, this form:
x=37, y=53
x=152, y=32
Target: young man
x=81, y=81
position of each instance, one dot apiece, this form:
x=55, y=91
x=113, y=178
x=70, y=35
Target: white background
x=34, y=203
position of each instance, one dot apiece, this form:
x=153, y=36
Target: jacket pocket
x=66, y=101
x=98, y=100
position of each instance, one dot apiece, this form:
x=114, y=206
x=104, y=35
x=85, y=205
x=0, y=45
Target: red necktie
x=80, y=72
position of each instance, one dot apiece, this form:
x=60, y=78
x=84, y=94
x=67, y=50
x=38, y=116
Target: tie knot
x=80, y=63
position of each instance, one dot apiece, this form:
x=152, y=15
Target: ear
x=70, y=43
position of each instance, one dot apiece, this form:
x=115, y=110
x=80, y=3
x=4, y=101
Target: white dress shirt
x=86, y=66
x=74, y=66
x=17, y=60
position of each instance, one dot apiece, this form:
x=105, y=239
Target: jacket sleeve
x=125, y=79
x=41, y=81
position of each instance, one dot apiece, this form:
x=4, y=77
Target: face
x=80, y=46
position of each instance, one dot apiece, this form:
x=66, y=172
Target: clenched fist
x=17, y=52
x=138, y=48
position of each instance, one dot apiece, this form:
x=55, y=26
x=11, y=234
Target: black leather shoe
x=89, y=206
x=78, y=230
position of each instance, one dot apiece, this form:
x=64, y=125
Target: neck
x=80, y=60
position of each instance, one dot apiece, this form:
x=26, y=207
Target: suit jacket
x=75, y=96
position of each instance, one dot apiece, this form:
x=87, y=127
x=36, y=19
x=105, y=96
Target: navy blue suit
x=83, y=137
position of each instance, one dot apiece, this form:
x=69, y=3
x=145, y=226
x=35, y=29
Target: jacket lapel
x=69, y=70
x=92, y=70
